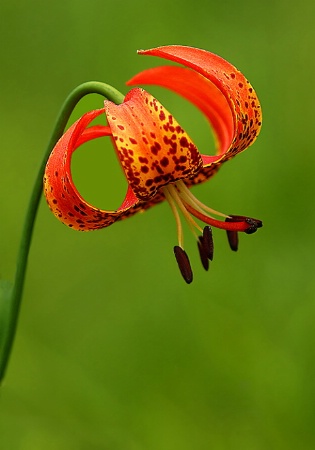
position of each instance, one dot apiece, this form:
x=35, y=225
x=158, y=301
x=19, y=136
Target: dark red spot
x=133, y=141
x=162, y=115
x=121, y=127
x=164, y=161
x=173, y=148
x=183, y=142
x=136, y=181
x=155, y=148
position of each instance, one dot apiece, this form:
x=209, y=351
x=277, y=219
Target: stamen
x=173, y=191
x=180, y=198
x=233, y=239
x=193, y=201
x=172, y=204
x=207, y=241
x=202, y=253
x=183, y=264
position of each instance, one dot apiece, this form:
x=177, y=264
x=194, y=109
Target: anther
x=207, y=241
x=202, y=253
x=253, y=224
x=183, y=264
x=233, y=239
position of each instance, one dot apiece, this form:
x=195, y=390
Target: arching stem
x=11, y=310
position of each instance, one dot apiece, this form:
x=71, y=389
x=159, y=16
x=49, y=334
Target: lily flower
x=159, y=159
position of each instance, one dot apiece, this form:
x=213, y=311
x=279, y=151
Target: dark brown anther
x=233, y=240
x=253, y=224
x=202, y=253
x=183, y=264
x=207, y=242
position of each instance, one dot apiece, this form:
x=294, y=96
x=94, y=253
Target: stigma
x=184, y=204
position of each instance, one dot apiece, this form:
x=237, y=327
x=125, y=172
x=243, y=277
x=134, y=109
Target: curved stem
x=92, y=87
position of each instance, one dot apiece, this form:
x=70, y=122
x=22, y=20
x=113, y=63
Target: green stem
x=92, y=87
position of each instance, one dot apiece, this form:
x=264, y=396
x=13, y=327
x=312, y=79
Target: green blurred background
x=113, y=350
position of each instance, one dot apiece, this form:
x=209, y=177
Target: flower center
x=181, y=199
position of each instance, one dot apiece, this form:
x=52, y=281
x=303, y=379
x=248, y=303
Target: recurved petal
x=152, y=147
x=62, y=196
x=199, y=91
x=240, y=95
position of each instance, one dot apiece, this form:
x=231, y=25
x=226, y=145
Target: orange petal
x=198, y=90
x=240, y=95
x=62, y=196
x=153, y=148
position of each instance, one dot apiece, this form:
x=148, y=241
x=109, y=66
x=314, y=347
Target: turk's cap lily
x=159, y=159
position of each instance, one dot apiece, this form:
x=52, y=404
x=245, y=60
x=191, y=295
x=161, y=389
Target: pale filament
x=189, y=198
x=172, y=204
x=174, y=193
x=174, y=200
